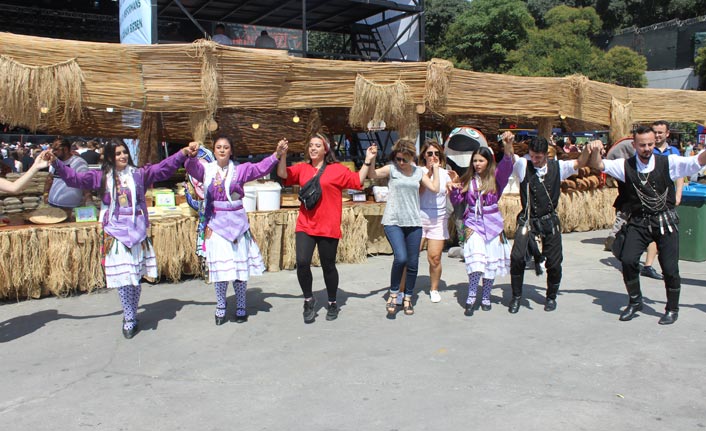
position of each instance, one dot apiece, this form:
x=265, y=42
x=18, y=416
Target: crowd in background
x=17, y=157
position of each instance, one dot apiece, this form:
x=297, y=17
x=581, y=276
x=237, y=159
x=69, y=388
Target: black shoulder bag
x=310, y=193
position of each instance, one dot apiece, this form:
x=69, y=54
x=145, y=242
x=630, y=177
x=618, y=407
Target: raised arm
x=583, y=158
x=282, y=165
x=508, y=141
x=88, y=180
x=433, y=182
x=193, y=165
x=504, y=170
x=595, y=160
x=165, y=169
x=701, y=158
x=251, y=171
x=370, y=155
x=16, y=186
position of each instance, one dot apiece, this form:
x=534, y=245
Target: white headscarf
x=210, y=171
x=126, y=173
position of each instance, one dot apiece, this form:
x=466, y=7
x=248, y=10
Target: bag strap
x=321, y=171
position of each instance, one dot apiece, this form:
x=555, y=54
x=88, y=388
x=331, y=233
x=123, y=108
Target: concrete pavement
x=65, y=364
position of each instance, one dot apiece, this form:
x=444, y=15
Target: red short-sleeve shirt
x=325, y=218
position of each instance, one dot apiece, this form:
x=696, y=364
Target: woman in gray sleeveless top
x=401, y=219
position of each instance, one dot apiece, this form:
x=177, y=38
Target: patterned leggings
x=473, y=279
x=130, y=298
x=221, y=290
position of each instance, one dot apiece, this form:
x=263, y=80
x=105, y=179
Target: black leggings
x=328, y=247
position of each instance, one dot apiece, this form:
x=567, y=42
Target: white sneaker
x=455, y=253
x=435, y=296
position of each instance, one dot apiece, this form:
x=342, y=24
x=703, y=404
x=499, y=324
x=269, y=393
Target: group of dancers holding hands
x=416, y=209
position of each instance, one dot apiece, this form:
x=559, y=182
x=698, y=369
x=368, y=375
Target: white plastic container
x=250, y=198
x=268, y=196
x=380, y=193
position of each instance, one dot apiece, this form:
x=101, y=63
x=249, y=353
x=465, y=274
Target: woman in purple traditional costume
x=128, y=254
x=231, y=252
x=486, y=250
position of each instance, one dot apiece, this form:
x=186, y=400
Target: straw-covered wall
x=175, y=80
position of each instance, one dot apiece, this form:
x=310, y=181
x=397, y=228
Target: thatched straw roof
x=239, y=86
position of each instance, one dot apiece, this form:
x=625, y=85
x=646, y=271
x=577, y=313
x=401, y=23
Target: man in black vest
x=649, y=198
x=540, y=181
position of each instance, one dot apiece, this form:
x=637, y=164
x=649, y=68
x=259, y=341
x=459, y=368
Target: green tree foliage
x=688, y=131
x=438, y=15
x=582, y=21
x=700, y=67
x=621, y=66
x=565, y=48
x=617, y=14
x=539, y=8
x=330, y=43
x=481, y=37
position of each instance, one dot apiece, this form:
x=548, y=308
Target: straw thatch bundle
x=178, y=79
x=620, y=119
x=273, y=125
x=206, y=51
x=408, y=127
x=576, y=90
x=39, y=261
x=149, y=137
x=510, y=206
x=313, y=83
x=30, y=91
x=198, y=123
x=354, y=227
x=313, y=124
x=436, y=90
x=476, y=93
x=379, y=102
x=174, y=242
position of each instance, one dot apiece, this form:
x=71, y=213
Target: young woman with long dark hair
x=486, y=251
x=127, y=252
x=231, y=252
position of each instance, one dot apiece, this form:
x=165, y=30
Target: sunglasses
x=401, y=160
x=432, y=153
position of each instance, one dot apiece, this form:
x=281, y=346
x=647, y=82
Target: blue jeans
x=405, y=241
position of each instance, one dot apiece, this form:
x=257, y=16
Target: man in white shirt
x=221, y=37
x=649, y=199
x=540, y=181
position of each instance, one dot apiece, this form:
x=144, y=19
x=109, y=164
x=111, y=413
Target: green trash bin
x=692, y=223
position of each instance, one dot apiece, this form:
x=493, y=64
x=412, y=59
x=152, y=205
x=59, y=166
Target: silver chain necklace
x=656, y=202
x=643, y=181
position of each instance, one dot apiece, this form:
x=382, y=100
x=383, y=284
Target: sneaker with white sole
x=435, y=296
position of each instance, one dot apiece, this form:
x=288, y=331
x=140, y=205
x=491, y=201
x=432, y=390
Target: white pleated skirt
x=492, y=258
x=125, y=266
x=228, y=261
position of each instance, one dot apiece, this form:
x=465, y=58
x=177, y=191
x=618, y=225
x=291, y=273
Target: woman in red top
x=321, y=226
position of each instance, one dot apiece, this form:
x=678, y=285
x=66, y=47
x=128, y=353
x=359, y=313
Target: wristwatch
x=367, y=163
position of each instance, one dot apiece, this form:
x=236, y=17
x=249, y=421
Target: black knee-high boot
x=516, y=283
x=671, y=313
x=552, y=290
x=635, y=303
x=673, y=299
